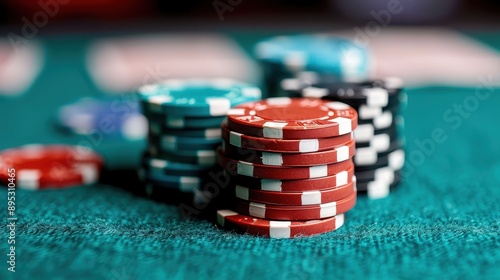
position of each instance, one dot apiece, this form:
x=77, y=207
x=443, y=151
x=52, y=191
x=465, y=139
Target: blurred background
x=122, y=38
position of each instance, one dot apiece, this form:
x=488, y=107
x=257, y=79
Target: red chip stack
x=289, y=162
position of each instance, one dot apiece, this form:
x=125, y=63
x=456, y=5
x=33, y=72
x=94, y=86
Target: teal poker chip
x=174, y=143
x=339, y=56
x=196, y=98
x=158, y=167
x=182, y=122
x=198, y=157
x=204, y=133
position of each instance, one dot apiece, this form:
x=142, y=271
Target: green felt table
x=443, y=221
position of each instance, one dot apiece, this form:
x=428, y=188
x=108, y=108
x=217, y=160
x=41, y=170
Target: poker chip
x=394, y=160
x=367, y=114
x=369, y=156
x=292, y=118
x=379, y=103
x=181, y=183
x=289, y=159
x=280, y=172
x=165, y=167
x=382, y=121
x=50, y=166
x=379, y=188
x=381, y=174
x=300, y=80
x=206, y=133
x=231, y=220
x=337, y=56
x=296, y=213
x=371, y=93
x=159, y=120
x=173, y=143
x=376, y=97
x=367, y=131
x=379, y=142
x=184, y=119
x=295, y=198
x=336, y=154
x=283, y=145
x=196, y=97
x=321, y=183
x=110, y=117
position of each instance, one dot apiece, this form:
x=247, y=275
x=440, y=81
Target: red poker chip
x=322, y=183
x=296, y=213
x=281, y=173
x=283, y=145
x=293, y=118
x=49, y=166
x=295, y=198
x=337, y=154
x=231, y=220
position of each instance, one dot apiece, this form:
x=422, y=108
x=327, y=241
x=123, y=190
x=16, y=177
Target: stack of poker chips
x=285, y=56
x=289, y=162
x=379, y=142
x=184, y=119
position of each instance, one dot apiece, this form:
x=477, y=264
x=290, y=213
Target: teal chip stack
x=184, y=118
x=284, y=57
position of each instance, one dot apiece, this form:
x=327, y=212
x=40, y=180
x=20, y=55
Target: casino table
x=442, y=222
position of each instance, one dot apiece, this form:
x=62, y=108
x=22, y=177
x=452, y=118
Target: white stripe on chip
x=273, y=129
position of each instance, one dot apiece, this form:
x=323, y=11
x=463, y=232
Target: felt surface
x=442, y=222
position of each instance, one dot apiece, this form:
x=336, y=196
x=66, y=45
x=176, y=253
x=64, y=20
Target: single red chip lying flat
x=295, y=198
x=314, y=184
x=49, y=166
x=334, y=155
x=306, y=145
x=296, y=213
x=293, y=118
x=279, y=172
x=277, y=229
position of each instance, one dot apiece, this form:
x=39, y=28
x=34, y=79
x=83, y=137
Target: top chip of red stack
x=293, y=118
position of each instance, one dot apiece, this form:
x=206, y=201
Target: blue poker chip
x=206, y=133
x=198, y=157
x=181, y=122
x=321, y=53
x=196, y=98
x=112, y=118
